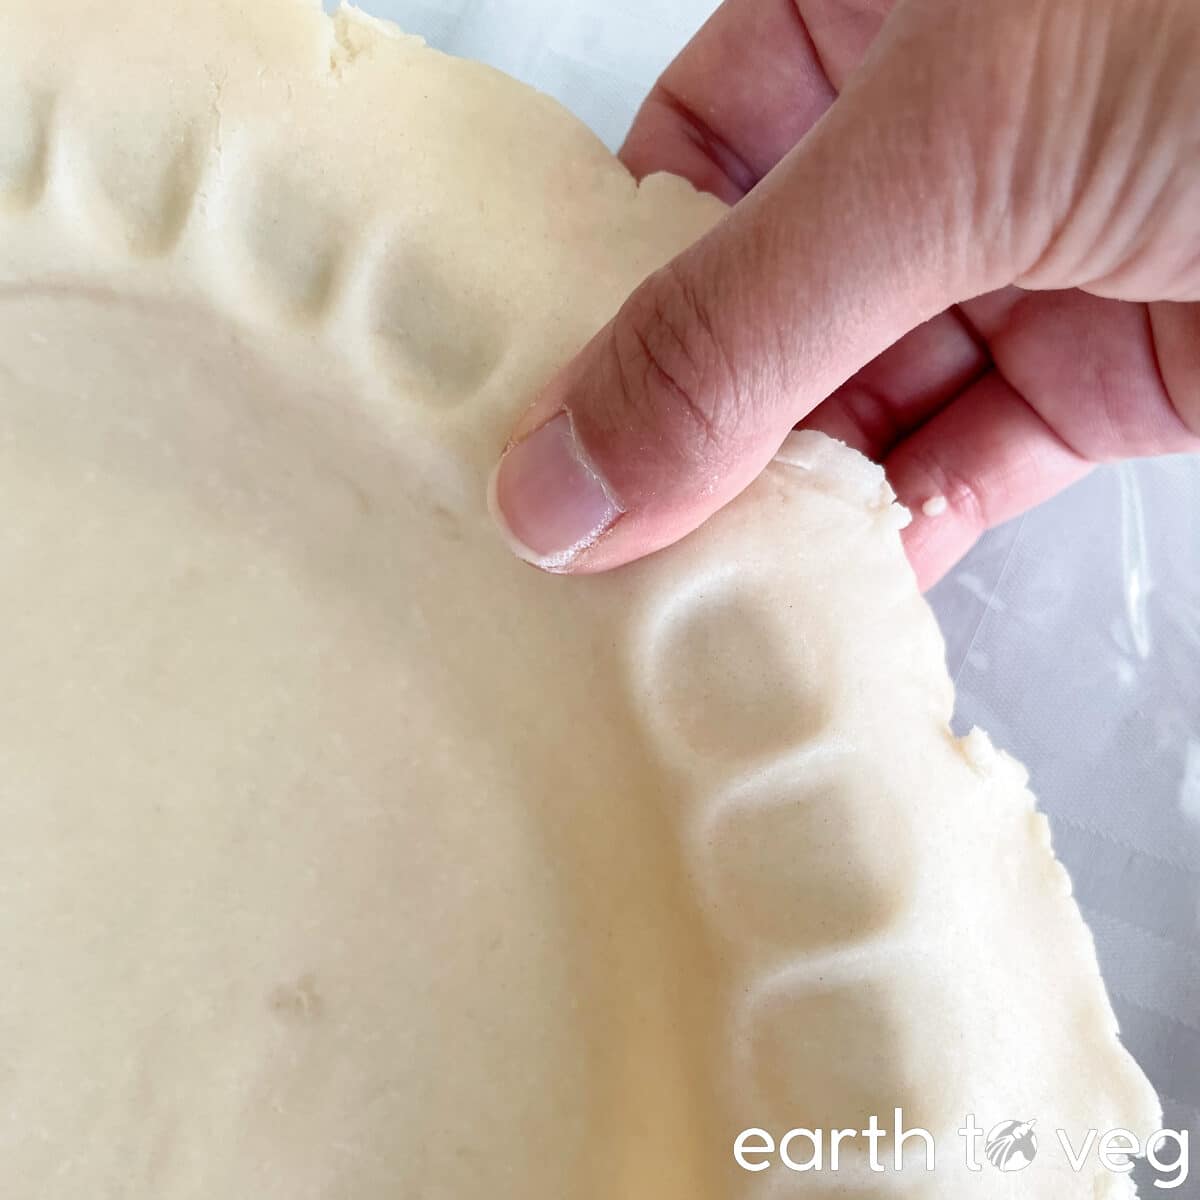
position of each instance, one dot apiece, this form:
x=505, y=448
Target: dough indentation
x=884, y=1060
x=138, y=190
x=290, y=248
x=727, y=680
x=800, y=864
x=24, y=144
x=439, y=338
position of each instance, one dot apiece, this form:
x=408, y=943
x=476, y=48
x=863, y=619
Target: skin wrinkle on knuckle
x=700, y=134
x=1118, y=163
x=673, y=375
x=1027, y=154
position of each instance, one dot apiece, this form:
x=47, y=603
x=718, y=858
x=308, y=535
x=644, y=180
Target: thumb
x=861, y=233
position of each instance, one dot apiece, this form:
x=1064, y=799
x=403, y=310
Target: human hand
x=966, y=240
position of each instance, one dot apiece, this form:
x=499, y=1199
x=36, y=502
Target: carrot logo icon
x=1011, y=1145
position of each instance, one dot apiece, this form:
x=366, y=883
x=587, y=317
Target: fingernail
x=550, y=503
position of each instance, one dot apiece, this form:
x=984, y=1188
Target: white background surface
x=1073, y=634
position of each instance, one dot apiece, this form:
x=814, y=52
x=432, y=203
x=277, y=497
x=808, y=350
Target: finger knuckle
x=673, y=373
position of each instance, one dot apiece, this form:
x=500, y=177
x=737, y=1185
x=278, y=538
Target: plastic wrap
x=1073, y=635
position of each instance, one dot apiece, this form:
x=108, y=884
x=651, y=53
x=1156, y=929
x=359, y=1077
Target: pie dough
x=346, y=857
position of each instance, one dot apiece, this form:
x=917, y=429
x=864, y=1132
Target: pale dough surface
x=344, y=857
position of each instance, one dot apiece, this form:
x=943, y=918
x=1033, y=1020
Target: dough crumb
x=935, y=506
x=296, y=1001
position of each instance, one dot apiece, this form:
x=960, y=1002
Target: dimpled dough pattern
x=345, y=857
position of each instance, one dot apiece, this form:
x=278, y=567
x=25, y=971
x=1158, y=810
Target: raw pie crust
x=343, y=855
